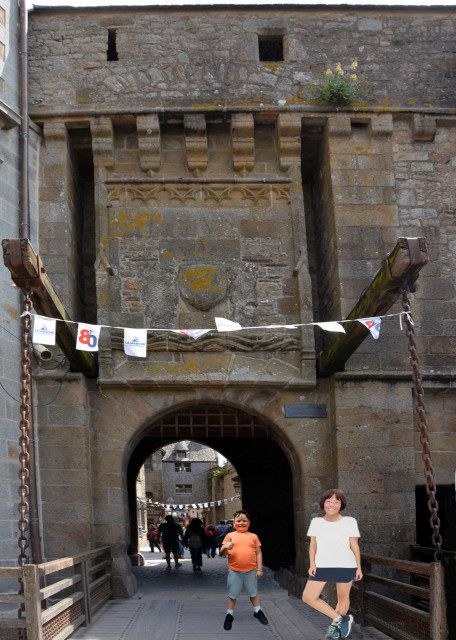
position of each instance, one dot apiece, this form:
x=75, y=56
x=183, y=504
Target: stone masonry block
x=196, y=142
x=242, y=140
x=288, y=139
x=102, y=141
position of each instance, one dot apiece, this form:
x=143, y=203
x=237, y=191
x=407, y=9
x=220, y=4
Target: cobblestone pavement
x=183, y=605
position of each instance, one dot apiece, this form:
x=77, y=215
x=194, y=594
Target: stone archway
x=254, y=448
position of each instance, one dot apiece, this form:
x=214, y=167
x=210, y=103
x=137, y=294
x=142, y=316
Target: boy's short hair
x=241, y=512
x=334, y=492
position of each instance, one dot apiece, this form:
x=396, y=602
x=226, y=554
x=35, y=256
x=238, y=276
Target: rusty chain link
x=24, y=425
x=431, y=488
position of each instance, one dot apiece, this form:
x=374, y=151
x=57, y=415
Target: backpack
x=194, y=541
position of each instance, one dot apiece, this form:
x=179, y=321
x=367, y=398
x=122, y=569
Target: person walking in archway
x=245, y=566
x=334, y=557
x=169, y=533
x=152, y=538
x=195, y=540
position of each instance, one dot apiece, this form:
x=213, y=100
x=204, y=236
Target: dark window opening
x=183, y=488
x=112, y=46
x=270, y=48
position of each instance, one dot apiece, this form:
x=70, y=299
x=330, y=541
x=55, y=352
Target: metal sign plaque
x=305, y=410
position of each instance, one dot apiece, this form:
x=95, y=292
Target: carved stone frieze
x=242, y=140
x=196, y=142
x=191, y=195
x=148, y=128
x=166, y=341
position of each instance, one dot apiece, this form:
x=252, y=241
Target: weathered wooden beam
x=25, y=268
x=404, y=263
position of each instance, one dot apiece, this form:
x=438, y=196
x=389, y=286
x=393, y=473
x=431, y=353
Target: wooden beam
x=26, y=269
x=404, y=263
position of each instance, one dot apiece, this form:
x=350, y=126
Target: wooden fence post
x=86, y=591
x=32, y=598
x=438, y=626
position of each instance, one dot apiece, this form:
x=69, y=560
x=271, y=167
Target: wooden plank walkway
x=182, y=605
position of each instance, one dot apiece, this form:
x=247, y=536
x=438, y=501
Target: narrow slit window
x=112, y=46
x=270, y=48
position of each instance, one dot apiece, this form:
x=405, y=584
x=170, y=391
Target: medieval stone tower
x=186, y=172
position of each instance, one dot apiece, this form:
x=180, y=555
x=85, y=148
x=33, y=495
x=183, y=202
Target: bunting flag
x=44, y=330
x=226, y=325
x=87, y=338
x=331, y=326
x=135, y=342
x=193, y=333
x=373, y=324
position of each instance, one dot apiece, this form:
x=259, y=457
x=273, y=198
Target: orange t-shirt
x=242, y=557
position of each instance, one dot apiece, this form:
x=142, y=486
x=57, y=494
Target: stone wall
x=209, y=59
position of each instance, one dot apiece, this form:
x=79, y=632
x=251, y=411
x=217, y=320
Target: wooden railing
x=408, y=606
x=58, y=596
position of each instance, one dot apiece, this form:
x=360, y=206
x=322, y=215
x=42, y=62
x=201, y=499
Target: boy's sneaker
x=346, y=626
x=228, y=622
x=334, y=630
x=261, y=617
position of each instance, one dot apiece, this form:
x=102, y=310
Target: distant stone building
x=185, y=173
x=186, y=468
x=226, y=488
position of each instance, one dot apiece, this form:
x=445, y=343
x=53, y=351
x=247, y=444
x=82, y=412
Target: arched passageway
x=252, y=447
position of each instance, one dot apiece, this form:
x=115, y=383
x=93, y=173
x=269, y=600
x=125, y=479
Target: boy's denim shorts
x=238, y=579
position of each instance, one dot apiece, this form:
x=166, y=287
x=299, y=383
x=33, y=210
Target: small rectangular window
x=270, y=48
x=182, y=467
x=183, y=488
x=112, y=46
x=180, y=453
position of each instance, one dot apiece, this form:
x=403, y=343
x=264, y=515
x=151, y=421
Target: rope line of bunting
x=135, y=340
x=186, y=507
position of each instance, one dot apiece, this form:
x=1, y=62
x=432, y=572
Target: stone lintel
x=148, y=128
x=196, y=142
x=423, y=128
x=102, y=141
x=288, y=139
x=242, y=139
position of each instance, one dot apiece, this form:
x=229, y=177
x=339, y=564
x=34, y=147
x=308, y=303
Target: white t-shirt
x=333, y=542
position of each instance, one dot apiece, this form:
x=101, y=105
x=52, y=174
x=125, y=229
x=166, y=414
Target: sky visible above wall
x=119, y=3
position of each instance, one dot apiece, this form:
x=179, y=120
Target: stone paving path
x=182, y=605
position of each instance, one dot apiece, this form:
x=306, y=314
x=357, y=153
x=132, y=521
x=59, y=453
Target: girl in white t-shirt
x=334, y=557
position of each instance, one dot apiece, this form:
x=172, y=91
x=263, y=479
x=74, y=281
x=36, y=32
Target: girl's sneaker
x=345, y=627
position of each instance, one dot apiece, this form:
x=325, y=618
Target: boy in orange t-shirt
x=245, y=566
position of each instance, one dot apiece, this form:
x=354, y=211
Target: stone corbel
x=148, y=128
x=381, y=125
x=242, y=140
x=196, y=142
x=102, y=141
x=55, y=134
x=423, y=128
x=288, y=139
x=339, y=126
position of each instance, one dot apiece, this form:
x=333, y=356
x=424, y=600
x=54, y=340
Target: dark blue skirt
x=330, y=574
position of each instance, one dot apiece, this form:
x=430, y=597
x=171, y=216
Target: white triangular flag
x=135, y=342
x=43, y=330
x=88, y=336
x=226, y=325
x=193, y=333
x=373, y=324
x=331, y=326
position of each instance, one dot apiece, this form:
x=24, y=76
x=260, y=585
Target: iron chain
x=431, y=488
x=24, y=425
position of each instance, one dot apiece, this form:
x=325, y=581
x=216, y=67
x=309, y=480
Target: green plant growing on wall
x=338, y=87
x=218, y=472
